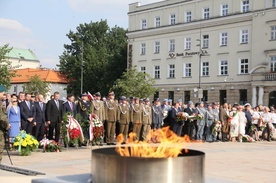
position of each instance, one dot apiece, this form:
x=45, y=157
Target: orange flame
x=170, y=145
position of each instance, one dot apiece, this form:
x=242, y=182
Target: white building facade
x=216, y=50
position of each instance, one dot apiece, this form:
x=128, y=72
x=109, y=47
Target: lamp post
x=200, y=53
x=81, y=67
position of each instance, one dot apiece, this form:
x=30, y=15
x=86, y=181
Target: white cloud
x=13, y=25
x=15, y=34
x=104, y=6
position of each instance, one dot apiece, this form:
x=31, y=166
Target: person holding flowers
x=200, y=120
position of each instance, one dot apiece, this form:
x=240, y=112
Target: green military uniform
x=111, y=116
x=98, y=109
x=3, y=126
x=124, y=119
x=146, y=121
x=136, y=118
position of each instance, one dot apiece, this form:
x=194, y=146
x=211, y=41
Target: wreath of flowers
x=25, y=143
x=96, y=128
x=50, y=145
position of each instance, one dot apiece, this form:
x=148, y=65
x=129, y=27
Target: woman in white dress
x=238, y=124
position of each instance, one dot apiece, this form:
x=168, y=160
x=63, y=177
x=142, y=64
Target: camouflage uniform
x=3, y=126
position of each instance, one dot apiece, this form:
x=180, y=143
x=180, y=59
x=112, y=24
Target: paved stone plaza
x=225, y=162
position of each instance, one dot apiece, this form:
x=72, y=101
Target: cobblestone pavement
x=225, y=162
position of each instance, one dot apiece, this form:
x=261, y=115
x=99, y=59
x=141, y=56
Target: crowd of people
x=202, y=121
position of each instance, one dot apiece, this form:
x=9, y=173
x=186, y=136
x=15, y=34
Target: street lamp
x=200, y=53
x=81, y=67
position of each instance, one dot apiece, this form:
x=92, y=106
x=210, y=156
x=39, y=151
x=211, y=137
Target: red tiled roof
x=48, y=75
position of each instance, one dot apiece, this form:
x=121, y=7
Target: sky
x=42, y=25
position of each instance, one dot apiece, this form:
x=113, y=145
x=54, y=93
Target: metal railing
x=270, y=77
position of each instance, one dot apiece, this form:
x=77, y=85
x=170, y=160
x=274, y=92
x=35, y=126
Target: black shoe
x=112, y=144
x=108, y=143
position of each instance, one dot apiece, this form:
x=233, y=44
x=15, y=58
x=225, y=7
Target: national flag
x=90, y=97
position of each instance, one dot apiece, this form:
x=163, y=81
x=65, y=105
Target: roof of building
x=48, y=75
x=23, y=54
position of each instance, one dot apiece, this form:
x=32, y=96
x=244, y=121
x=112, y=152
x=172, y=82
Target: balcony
x=270, y=77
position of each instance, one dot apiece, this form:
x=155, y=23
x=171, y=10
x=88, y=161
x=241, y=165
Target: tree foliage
x=36, y=85
x=103, y=52
x=134, y=83
x=6, y=69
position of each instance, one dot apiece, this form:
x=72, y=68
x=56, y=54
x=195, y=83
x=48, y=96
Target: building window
x=171, y=71
x=156, y=47
x=143, y=48
x=15, y=89
x=188, y=16
x=187, y=96
x=144, y=24
x=245, y=6
x=187, y=70
x=205, y=41
x=244, y=36
x=244, y=66
x=223, y=39
x=206, y=13
x=157, y=22
x=243, y=97
x=171, y=95
x=273, y=3
x=187, y=43
x=156, y=95
x=205, y=69
x=157, y=72
x=205, y=95
x=273, y=33
x=172, y=19
x=143, y=69
x=273, y=63
x=223, y=67
x=224, y=9
x=172, y=45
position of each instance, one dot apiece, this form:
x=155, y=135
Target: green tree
x=134, y=83
x=36, y=85
x=6, y=69
x=102, y=53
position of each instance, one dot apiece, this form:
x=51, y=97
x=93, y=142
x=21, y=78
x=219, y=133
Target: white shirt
x=273, y=117
x=266, y=117
x=256, y=115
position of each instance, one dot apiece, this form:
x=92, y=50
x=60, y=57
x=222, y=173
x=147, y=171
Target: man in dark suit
x=54, y=114
x=28, y=113
x=40, y=120
x=190, y=124
x=69, y=106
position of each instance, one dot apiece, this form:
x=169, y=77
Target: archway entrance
x=272, y=98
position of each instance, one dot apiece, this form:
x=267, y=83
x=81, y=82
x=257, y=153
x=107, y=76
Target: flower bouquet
x=165, y=114
x=74, y=131
x=181, y=116
x=25, y=143
x=50, y=145
x=96, y=129
x=216, y=127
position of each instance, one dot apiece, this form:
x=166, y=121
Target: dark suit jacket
x=25, y=112
x=54, y=114
x=40, y=113
x=67, y=108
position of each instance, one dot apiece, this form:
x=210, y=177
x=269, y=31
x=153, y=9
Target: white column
x=261, y=95
x=254, y=96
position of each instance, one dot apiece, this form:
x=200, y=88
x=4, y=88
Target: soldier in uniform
x=4, y=124
x=111, y=116
x=84, y=109
x=98, y=106
x=146, y=119
x=135, y=117
x=157, y=116
x=124, y=117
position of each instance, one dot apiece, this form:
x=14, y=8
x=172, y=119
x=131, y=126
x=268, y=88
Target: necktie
x=28, y=104
x=71, y=106
x=57, y=103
